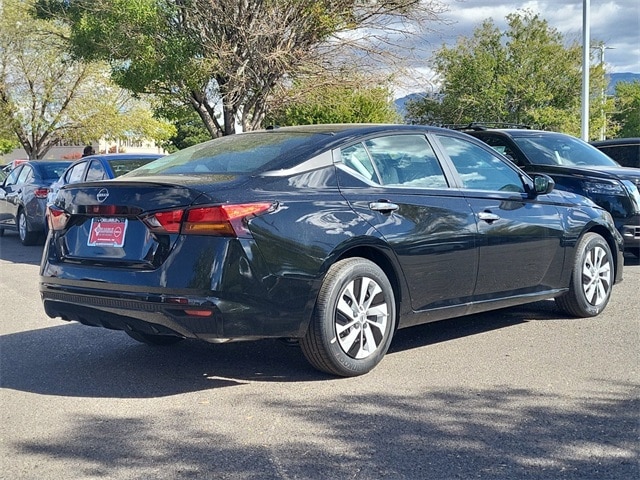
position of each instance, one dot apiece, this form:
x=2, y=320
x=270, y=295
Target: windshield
x=238, y=154
x=560, y=149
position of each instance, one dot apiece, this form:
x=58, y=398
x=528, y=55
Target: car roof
x=123, y=156
x=616, y=141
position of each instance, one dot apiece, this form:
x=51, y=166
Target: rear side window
x=96, y=172
x=625, y=155
x=76, y=174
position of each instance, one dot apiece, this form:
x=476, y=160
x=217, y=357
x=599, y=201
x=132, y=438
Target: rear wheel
x=353, y=321
x=591, y=279
x=151, y=339
x=27, y=237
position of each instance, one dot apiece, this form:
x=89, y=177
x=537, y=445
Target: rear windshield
x=52, y=171
x=558, y=149
x=239, y=154
x=120, y=167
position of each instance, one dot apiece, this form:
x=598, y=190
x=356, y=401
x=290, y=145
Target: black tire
x=1, y=232
x=353, y=320
x=27, y=237
x=591, y=279
x=156, y=340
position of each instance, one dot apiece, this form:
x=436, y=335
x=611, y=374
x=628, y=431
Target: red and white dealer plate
x=107, y=232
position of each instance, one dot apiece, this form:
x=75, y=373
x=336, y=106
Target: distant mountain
x=614, y=79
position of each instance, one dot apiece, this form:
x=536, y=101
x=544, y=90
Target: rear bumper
x=211, y=319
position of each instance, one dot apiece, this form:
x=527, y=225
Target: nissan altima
x=329, y=236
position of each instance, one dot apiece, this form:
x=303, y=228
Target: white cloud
x=616, y=23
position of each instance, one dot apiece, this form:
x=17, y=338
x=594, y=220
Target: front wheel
x=353, y=320
x=591, y=279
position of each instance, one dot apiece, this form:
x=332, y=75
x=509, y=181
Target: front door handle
x=488, y=217
x=383, y=207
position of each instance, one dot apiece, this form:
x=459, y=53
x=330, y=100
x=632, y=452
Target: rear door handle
x=488, y=217
x=383, y=207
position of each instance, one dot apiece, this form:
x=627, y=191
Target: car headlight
x=604, y=187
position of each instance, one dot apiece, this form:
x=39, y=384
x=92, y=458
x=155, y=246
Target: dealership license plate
x=107, y=232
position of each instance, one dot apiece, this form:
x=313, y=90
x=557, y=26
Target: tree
x=528, y=74
x=354, y=100
x=47, y=97
x=627, y=102
x=225, y=59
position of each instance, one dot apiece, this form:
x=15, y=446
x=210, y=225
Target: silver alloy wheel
x=361, y=318
x=22, y=225
x=596, y=276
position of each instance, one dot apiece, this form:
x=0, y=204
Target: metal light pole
x=602, y=47
x=586, y=54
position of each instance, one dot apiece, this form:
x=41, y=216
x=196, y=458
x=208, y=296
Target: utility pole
x=603, y=130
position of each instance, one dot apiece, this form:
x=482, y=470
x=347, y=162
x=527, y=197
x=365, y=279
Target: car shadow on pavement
x=75, y=360
x=11, y=250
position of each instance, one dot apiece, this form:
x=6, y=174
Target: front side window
x=478, y=168
x=406, y=160
x=396, y=160
x=26, y=175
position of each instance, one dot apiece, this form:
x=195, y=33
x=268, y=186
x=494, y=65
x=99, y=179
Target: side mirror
x=542, y=184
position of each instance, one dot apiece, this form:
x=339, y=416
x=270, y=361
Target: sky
x=616, y=23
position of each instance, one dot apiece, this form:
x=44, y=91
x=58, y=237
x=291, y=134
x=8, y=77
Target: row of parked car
x=335, y=236
x=30, y=186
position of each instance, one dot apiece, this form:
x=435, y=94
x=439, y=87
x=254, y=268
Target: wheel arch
x=382, y=255
x=614, y=246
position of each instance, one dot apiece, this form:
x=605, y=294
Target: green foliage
x=189, y=129
x=527, y=74
x=224, y=59
x=332, y=103
x=7, y=145
x=627, y=102
x=48, y=97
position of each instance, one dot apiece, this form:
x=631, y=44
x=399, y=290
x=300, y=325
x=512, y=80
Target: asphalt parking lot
x=518, y=393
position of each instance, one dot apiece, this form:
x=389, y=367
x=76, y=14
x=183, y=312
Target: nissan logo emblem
x=102, y=195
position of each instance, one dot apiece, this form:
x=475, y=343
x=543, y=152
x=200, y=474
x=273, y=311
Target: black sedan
x=23, y=198
x=330, y=235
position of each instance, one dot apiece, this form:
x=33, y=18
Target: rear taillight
x=41, y=192
x=57, y=218
x=221, y=220
x=165, y=222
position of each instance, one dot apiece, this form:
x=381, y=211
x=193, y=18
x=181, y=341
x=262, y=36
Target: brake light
x=41, y=192
x=165, y=222
x=223, y=220
x=57, y=218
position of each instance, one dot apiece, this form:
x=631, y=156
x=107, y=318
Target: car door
x=15, y=192
x=8, y=194
x=520, y=237
x=397, y=184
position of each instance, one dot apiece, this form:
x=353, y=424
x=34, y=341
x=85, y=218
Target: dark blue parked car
x=23, y=198
x=101, y=167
